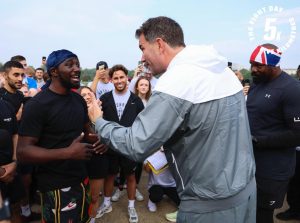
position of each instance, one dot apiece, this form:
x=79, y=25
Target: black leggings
x=156, y=193
x=264, y=215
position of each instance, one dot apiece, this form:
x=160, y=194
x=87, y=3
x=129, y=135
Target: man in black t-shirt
x=274, y=116
x=50, y=135
x=13, y=77
x=9, y=182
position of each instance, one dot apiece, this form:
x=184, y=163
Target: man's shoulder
x=106, y=96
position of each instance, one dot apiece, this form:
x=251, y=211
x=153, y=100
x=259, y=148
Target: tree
x=246, y=74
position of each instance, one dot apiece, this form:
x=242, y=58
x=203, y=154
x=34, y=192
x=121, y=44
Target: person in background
x=142, y=70
x=121, y=106
x=101, y=82
x=11, y=186
x=39, y=77
x=160, y=184
x=29, y=72
x=244, y=82
x=143, y=89
x=97, y=167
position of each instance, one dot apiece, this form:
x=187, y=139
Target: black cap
x=100, y=63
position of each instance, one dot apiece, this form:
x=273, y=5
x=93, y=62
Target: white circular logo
x=271, y=24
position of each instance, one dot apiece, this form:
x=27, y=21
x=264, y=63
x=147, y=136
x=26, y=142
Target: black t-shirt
x=8, y=128
x=56, y=120
x=15, y=99
x=273, y=108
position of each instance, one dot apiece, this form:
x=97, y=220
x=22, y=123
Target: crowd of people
x=227, y=148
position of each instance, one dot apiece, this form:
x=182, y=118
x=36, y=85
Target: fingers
x=79, y=138
x=100, y=149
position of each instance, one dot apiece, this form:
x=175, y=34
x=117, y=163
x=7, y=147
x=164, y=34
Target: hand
x=246, y=89
x=94, y=110
x=79, y=150
x=10, y=172
x=138, y=70
x=100, y=74
x=19, y=113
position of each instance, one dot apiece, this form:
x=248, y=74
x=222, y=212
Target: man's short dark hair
x=18, y=58
x=162, y=27
x=39, y=69
x=10, y=64
x=116, y=68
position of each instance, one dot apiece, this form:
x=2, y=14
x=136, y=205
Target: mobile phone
x=101, y=67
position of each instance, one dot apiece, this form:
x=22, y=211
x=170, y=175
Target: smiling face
x=151, y=56
x=119, y=79
x=68, y=73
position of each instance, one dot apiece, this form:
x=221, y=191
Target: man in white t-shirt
x=121, y=106
x=101, y=83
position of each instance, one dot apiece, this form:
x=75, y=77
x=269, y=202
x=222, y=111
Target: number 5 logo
x=271, y=30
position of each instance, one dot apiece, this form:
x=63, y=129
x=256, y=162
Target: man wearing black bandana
x=51, y=136
x=274, y=116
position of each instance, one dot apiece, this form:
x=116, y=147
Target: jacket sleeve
x=150, y=130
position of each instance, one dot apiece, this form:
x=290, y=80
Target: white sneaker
x=133, y=217
x=151, y=206
x=116, y=196
x=138, y=195
x=103, y=210
x=172, y=216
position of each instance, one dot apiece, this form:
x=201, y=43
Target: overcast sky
x=104, y=30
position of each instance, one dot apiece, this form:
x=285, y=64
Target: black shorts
x=97, y=167
x=14, y=191
x=270, y=193
x=118, y=162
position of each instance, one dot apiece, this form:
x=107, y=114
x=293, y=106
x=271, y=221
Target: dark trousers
x=156, y=193
x=293, y=194
x=137, y=172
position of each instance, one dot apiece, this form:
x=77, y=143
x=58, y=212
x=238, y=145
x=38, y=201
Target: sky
x=105, y=30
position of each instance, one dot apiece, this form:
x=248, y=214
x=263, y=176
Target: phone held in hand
x=101, y=67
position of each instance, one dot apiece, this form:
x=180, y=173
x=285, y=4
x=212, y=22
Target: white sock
x=131, y=203
x=107, y=201
x=25, y=210
x=92, y=220
x=151, y=204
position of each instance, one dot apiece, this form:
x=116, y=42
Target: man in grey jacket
x=197, y=111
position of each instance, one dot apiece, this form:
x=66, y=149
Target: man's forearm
x=285, y=139
x=35, y=154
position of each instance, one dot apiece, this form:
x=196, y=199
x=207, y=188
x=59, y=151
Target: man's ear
x=161, y=44
x=53, y=72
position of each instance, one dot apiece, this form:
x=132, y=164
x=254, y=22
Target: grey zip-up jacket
x=198, y=113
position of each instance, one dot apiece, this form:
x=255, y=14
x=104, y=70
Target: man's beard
x=13, y=85
x=68, y=84
x=260, y=79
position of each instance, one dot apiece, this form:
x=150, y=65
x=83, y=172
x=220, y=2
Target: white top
x=103, y=88
x=198, y=74
x=120, y=102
